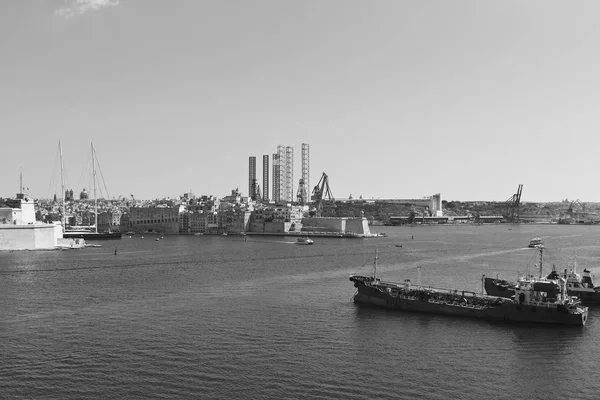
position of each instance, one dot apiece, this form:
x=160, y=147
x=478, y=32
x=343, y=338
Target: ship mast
x=62, y=186
x=95, y=199
x=541, y=260
x=375, y=264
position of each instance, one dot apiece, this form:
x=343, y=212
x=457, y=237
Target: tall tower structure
x=252, y=177
x=265, y=178
x=305, y=173
x=283, y=174
x=289, y=173
x=282, y=164
x=276, y=179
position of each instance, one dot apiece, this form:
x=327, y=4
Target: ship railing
x=458, y=304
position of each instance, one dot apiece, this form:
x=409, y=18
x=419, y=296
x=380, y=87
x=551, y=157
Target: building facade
x=155, y=219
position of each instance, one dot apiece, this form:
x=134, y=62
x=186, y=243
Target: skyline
x=396, y=99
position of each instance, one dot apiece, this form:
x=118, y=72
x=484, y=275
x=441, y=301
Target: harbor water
x=228, y=317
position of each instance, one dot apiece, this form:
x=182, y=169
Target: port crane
x=322, y=195
x=576, y=211
x=512, y=205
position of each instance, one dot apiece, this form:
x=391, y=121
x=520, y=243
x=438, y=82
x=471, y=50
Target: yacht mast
x=95, y=199
x=62, y=186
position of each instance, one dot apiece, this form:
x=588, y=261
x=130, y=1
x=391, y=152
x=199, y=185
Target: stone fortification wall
x=27, y=237
x=358, y=225
x=322, y=224
x=271, y=227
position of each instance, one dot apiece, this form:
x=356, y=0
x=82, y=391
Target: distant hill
x=557, y=212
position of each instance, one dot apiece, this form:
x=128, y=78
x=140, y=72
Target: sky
x=397, y=99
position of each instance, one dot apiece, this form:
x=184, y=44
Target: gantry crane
x=322, y=195
x=512, y=205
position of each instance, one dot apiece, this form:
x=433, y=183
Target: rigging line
x=101, y=174
x=362, y=267
x=84, y=172
x=51, y=182
x=65, y=177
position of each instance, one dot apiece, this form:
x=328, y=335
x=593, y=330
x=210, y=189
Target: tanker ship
x=534, y=301
x=577, y=285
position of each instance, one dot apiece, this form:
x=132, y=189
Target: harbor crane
x=576, y=211
x=512, y=205
x=322, y=195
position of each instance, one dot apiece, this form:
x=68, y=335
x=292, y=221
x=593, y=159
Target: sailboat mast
x=62, y=187
x=95, y=198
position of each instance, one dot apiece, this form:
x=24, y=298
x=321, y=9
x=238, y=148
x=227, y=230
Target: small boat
x=398, y=245
x=304, y=240
x=157, y=239
x=536, y=243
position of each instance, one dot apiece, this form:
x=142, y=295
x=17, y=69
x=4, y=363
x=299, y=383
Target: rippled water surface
x=221, y=318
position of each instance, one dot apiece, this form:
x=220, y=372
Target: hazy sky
x=396, y=98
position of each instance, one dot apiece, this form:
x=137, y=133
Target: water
x=223, y=318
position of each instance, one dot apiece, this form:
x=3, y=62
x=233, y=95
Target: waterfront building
x=19, y=229
x=184, y=222
x=234, y=220
x=201, y=221
x=155, y=219
x=278, y=219
x=109, y=220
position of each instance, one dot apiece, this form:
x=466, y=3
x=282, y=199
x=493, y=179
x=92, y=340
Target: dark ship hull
x=502, y=288
x=461, y=304
x=92, y=235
